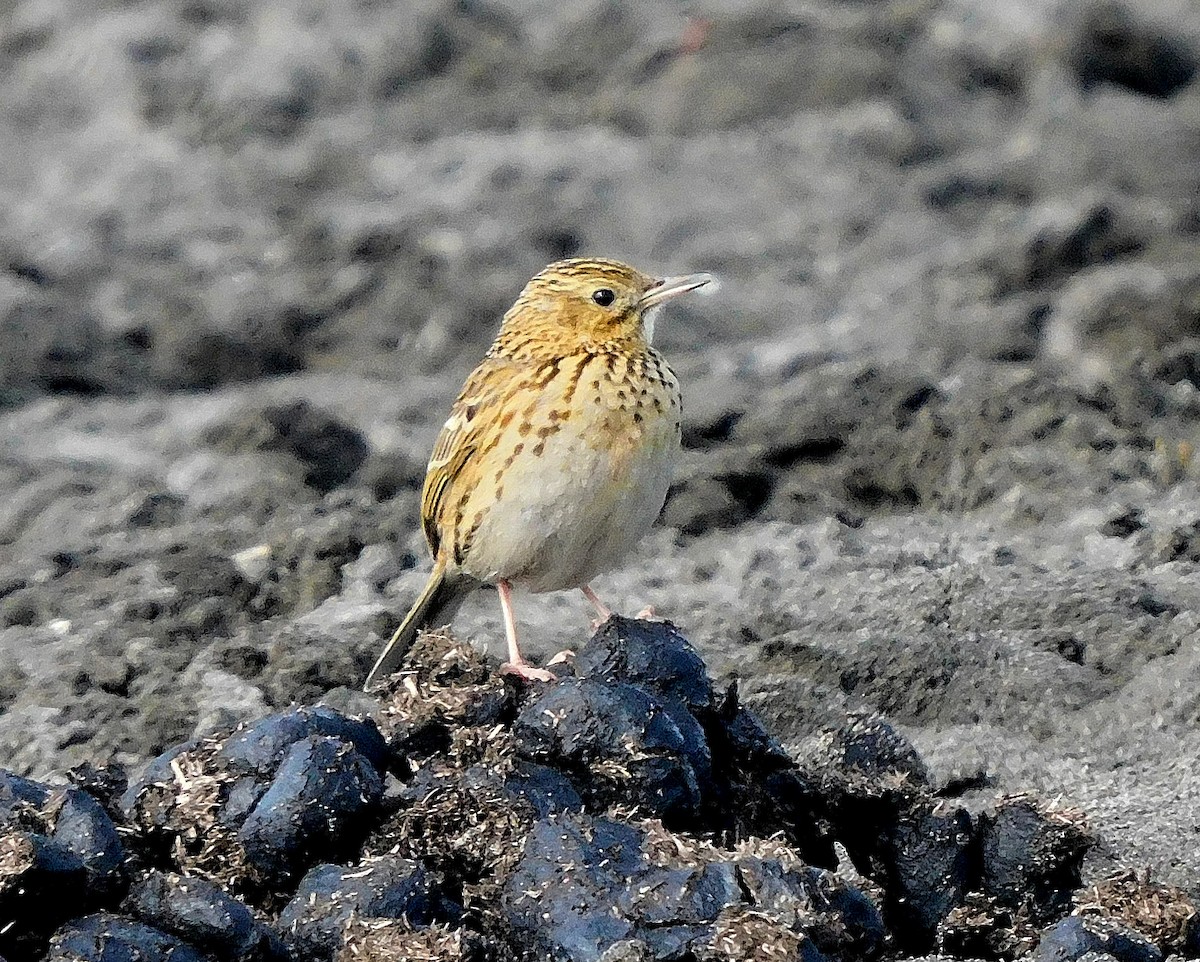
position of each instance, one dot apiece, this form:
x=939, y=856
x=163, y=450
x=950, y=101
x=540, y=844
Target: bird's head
x=591, y=302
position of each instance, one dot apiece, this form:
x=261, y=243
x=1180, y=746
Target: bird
x=558, y=452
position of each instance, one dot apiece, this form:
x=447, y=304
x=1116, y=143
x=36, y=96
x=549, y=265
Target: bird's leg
x=516, y=665
x=602, y=610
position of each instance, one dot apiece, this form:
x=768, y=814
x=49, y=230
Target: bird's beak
x=671, y=287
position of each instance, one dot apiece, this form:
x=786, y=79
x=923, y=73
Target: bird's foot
x=598, y=623
x=522, y=669
x=647, y=614
x=564, y=657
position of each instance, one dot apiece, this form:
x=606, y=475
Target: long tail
x=439, y=600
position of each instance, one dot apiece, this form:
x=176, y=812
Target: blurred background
x=939, y=419
x=203, y=192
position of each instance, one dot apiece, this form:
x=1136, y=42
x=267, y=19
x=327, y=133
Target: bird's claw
x=647, y=614
x=564, y=657
x=527, y=671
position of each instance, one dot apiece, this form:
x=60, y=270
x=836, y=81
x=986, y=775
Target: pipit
x=557, y=454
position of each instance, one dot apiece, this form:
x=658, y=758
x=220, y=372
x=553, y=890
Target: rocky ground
x=940, y=418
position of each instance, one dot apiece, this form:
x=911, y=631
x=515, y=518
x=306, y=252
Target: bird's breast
x=584, y=470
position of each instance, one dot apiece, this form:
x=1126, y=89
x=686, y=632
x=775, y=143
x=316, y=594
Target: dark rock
x=1116, y=47
x=84, y=828
x=981, y=928
x=930, y=870
x=53, y=840
x=1032, y=856
x=239, y=797
x=586, y=885
x=545, y=790
x=471, y=825
x=34, y=873
x=319, y=800
x=759, y=789
x=157, y=772
x=839, y=918
x=261, y=746
x=1073, y=938
x=254, y=808
x=198, y=911
x=1123, y=525
x=329, y=450
x=314, y=922
x=864, y=774
x=446, y=688
x=623, y=744
x=105, y=783
x=651, y=654
x=112, y=938
x=755, y=787
x=872, y=746
x=16, y=793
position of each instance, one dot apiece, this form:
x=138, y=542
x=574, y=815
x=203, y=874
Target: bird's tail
x=439, y=601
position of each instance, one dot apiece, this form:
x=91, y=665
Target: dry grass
x=187, y=810
x=389, y=940
x=1166, y=915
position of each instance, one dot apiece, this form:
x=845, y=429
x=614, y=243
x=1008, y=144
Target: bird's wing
x=468, y=428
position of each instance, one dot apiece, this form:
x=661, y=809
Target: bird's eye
x=603, y=297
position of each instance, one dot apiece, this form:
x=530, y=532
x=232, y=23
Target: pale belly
x=573, y=510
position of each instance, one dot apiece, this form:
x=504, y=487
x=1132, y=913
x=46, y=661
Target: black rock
x=574, y=889
x=839, y=918
x=623, y=744
x=198, y=911
x=470, y=826
x=277, y=796
x=330, y=450
x=982, y=929
x=864, y=778
x=650, y=654
x=316, y=807
x=1073, y=938
x=157, y=772
x=546, y=791
x=112, y=938
x=260, y=747
x=930, y=869
x=84, y=828
x=105, y=783
x=240, y=797
x=313, y=923
x=1031, y=857
x=17, y=792
x=870, y=745
x=585, y=885
x=53, y=841
x=37, y=872
x=758, y=789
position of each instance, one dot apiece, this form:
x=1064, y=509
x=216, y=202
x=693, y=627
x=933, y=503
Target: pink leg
x=516, y=665
x=602, y=610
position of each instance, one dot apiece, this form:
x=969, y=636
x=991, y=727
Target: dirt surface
x=940, y=418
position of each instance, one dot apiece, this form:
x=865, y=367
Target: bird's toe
x=528, y=672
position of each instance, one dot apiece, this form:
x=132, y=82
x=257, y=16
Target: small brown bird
x=558, y=452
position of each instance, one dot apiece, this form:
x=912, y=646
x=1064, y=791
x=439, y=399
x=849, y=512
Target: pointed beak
x=671, y=287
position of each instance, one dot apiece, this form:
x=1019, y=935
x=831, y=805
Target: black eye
x=603, y=297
